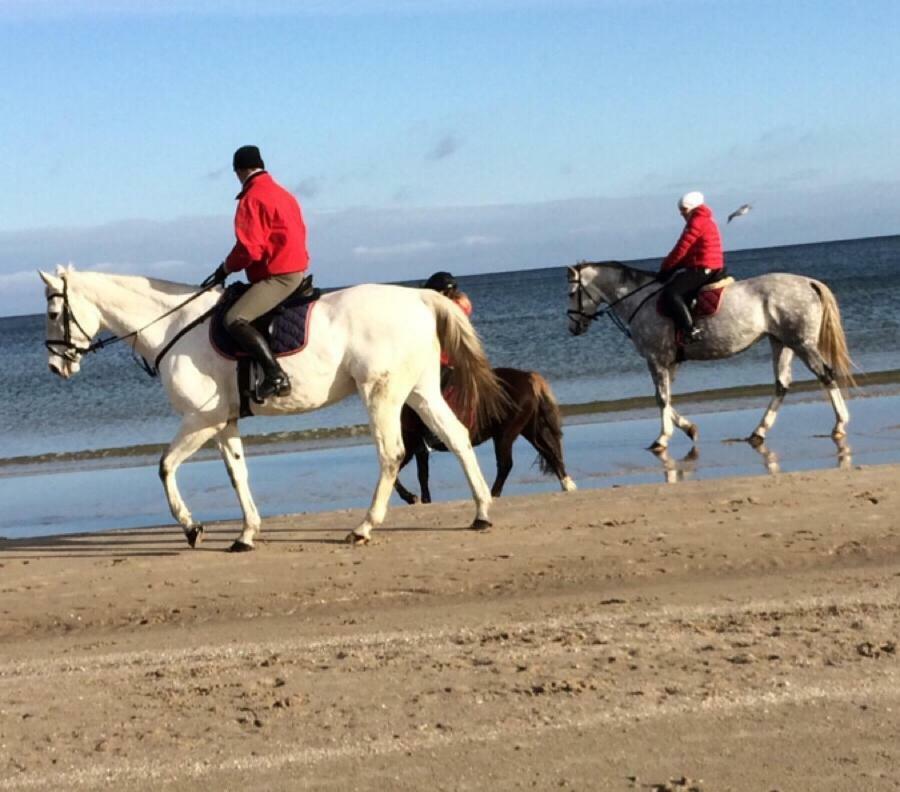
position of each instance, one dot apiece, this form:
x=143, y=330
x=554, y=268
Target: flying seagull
x=739, y=212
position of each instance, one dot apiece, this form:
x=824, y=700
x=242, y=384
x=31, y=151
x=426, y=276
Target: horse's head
x=585, y=296
x=72, y=321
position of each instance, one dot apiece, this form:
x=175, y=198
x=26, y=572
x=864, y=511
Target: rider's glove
x=217, y=277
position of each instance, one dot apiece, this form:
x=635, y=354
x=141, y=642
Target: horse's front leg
x=190, y=438
x=662, y=381
x=232, y=450
x=405, y=494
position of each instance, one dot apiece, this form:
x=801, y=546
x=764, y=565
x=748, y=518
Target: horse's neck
x=628, y=288
x=129, y=303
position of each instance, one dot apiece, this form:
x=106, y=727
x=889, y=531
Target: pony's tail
x=832, y=341
x=547, y=428
x=478, y=392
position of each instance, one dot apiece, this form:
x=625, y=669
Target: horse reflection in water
x=798, y=315
x=382, y=342
x=675, y=470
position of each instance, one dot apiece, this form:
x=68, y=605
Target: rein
x=607, y=310
x=71, y=351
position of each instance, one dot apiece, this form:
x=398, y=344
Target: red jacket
x=699, y=244
x=271, y=235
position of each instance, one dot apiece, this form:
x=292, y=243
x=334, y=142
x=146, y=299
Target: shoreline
x=358, y=434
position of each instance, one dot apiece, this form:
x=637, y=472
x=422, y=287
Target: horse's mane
x=632, y=273
x=167, y=287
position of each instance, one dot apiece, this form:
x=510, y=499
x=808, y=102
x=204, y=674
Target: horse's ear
x=50, y=281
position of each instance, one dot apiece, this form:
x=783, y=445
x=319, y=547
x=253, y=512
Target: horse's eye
x=54, y=315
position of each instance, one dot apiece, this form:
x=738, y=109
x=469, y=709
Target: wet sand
x=601, y=451
x=721, y=634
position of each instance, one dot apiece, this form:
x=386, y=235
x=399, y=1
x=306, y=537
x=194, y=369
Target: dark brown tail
x=547, y=428
x=478, y=391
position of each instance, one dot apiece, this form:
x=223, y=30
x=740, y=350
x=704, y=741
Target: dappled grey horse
x=799, y=316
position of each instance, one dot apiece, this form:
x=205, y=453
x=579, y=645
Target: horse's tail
x=478, y=392
x=832, y=341
x=547, y=428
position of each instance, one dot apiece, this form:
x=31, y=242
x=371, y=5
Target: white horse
x=381, y=341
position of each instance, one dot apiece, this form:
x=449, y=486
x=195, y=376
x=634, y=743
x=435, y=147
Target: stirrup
x=695, y=335
x=277, y=385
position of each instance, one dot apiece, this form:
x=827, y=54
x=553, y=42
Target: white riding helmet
x=691, y=200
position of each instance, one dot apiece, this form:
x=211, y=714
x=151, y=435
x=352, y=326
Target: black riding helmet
x=440, y=282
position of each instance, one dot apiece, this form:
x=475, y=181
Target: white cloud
x=403, y=243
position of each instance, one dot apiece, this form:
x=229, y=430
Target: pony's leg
x=190, y=438
x=422, y=465
x=662, y=381
x=437, y=415
x=503, y=454
x=782, y=357
x=384, y=407
x=232, y=450
x=405, y=494
x=811, y=356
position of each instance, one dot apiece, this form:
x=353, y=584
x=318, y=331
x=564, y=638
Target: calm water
x=521, y=317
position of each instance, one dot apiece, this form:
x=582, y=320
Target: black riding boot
x=683, y=319
x=275, y=381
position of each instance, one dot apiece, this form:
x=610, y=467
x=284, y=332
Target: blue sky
x=446, y=134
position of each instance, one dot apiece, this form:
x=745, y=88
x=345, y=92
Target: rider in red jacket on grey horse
x=696, y=257
x=271, y=247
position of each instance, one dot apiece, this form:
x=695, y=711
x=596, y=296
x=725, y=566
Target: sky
x=469, y=135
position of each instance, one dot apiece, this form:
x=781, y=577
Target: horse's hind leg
x=437, y=415
x=384, y=407
x=190, y=438
x=811, y=356
x=232, y=450
x=422, y=470
x=782, y=357
x=503, y=454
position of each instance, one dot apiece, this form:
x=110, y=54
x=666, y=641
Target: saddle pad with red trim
x=286, y=328
x=707, y=301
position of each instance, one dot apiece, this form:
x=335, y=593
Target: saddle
x=285, y=326
x=706, y=300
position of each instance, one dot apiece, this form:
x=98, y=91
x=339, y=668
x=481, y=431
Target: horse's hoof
x=356, y=539
x=693, y=433
x=657, y=448
x=194, y=535
x=240, y=547
x=756, y=440
x=480, y=525
x=837, y=434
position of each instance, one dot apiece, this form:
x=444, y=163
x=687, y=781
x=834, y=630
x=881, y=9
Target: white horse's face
x=582, y=303
x=71, y=324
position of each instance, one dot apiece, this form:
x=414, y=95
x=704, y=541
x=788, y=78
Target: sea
x=111, y=412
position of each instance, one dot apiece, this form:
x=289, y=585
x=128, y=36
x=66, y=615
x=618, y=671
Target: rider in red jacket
x=695, y=258
x=271, y=246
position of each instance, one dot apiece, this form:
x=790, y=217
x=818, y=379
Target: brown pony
x=530, y=411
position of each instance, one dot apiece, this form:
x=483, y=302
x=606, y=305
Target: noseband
x=70, y=350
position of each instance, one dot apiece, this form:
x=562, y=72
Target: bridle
x=581, y=290
x=73, y=352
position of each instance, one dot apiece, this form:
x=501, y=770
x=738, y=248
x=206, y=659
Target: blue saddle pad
x=286, y=327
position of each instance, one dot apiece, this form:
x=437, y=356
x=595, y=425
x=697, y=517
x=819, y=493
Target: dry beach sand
x=734, y=634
